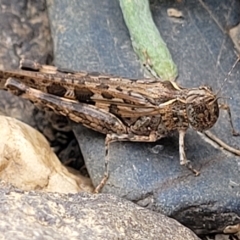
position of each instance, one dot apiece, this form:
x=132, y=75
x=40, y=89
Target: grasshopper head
x=202, y=108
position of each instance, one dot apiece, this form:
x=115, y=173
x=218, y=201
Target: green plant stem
x=146, y=39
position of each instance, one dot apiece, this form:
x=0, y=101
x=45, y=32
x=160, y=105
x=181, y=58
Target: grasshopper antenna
x=226, y=78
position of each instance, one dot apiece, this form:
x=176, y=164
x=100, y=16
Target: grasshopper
x=141, y=110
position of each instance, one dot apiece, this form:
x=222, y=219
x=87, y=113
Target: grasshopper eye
x=203, y=111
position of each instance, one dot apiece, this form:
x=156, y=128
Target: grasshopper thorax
x=202, y=108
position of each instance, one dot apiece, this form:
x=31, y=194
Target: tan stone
x=28, y=162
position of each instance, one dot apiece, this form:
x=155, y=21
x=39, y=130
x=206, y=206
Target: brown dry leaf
x=173, y=12
x=235, y=36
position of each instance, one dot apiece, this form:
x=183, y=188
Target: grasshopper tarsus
x=190, y=167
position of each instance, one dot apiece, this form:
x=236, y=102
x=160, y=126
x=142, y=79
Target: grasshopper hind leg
x=110, y=138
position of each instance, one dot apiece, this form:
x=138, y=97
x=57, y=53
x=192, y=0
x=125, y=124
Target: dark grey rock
x=35, y=215
x=92, y=36
x=25, y=33
x=100, y=43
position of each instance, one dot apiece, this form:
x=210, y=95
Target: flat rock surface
x=81, y=216
x=92, y=36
